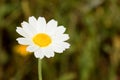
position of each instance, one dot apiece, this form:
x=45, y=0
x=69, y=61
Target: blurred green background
x=94, y=29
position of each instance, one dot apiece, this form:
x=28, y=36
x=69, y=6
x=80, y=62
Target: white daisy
x=44, y=39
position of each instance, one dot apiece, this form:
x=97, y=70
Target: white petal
x=22, y=32
x=32, y=48
x=39, y=54
x=51, y=26
x=60, y=30
x=60, y=47
x=48, y=52
x=65, y=45
x=52, y=23
x=34, y=23
x=59, y=38
x=64, y=37
x=24, y=41
x=28, y=29
x=42, y=24
x=32, y=20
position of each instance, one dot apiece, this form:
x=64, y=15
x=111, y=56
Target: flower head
x=21, y=49
x=44, y=39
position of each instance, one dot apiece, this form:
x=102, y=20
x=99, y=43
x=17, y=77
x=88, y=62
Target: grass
x=94, y=29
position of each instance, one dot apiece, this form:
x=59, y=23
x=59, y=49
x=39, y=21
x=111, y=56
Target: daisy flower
x=44, y=39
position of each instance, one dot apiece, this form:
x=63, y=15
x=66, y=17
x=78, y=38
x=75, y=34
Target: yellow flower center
x=42, y=39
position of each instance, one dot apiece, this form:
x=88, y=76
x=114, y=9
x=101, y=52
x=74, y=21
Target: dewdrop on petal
x=44, y=39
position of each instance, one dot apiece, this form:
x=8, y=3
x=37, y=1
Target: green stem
x=40, y=69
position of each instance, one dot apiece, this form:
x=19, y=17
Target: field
x=94, y=30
